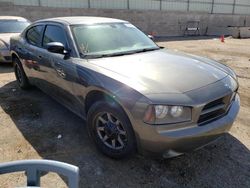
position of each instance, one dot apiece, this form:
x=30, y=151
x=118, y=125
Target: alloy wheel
x=111, y=131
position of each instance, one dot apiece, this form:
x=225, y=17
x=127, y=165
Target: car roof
x=88, y=20
x=17, y=18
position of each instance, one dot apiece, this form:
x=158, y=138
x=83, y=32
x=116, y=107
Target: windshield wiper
x=95, y=56
x=131, y=52
x=91, y=56
x=147, y=50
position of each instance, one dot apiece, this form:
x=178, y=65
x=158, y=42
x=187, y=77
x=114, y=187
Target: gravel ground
x=30, y=123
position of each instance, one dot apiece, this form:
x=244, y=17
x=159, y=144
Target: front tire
x=21, y=77
x=111, y=130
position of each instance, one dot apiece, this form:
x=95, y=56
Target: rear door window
x=34, y=34
x=54, y=34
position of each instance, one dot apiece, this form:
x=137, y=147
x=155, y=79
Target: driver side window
x=54, y=34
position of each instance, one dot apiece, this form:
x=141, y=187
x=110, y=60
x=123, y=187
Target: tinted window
x=54, y=34
x=12, y=26
x=33, y=35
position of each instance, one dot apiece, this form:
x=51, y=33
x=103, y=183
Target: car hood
x=5, y=38
x=162, y=71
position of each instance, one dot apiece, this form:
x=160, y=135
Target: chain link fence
x=207, y=6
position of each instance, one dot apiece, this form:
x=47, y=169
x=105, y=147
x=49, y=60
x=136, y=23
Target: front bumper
x=156, y=139
x=5, y=56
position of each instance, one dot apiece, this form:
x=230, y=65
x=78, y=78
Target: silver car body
x=5, y=56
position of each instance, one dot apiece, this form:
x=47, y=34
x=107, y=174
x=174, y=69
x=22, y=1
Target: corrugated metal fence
x=208, y=6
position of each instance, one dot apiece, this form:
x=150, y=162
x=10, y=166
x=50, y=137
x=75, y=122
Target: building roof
x=83, y=20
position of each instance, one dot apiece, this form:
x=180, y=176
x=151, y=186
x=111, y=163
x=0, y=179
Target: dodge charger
x=133, y=95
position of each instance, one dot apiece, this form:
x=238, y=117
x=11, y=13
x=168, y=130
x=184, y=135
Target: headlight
x=3, y=46
x=161, y=111
x=176, y=111
x=163, y=114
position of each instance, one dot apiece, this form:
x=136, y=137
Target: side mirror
x=151, y=37
x=56, y=47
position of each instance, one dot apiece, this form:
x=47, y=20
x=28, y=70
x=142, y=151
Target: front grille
x=212, y=104
x=215, y=109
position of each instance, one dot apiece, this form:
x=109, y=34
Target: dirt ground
x=30, y=123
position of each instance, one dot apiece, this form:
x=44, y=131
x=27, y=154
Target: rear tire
x=21, y=77
x=111, y=130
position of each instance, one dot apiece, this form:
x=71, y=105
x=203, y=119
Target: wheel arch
x=14, y=55
x=97, y=94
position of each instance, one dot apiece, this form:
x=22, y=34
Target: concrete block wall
x=162, y=23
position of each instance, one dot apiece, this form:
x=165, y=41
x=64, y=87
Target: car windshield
x=12, y=26
x=111, y=39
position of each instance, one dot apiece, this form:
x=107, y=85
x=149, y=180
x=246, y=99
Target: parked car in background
x=9, y=26
x=133, y=94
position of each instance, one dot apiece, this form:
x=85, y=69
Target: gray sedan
x=133, y=94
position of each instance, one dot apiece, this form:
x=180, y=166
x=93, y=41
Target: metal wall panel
x=207, y=6
x=222, y=9
x=242, y=2
x=26, y=2
x=109, y=4
x=65, y=3
x=6, y=1
x=181, y=5
x=242, y=10
x=200, y=6
x=144, y=4
x=242, y=7
x=224, y=1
